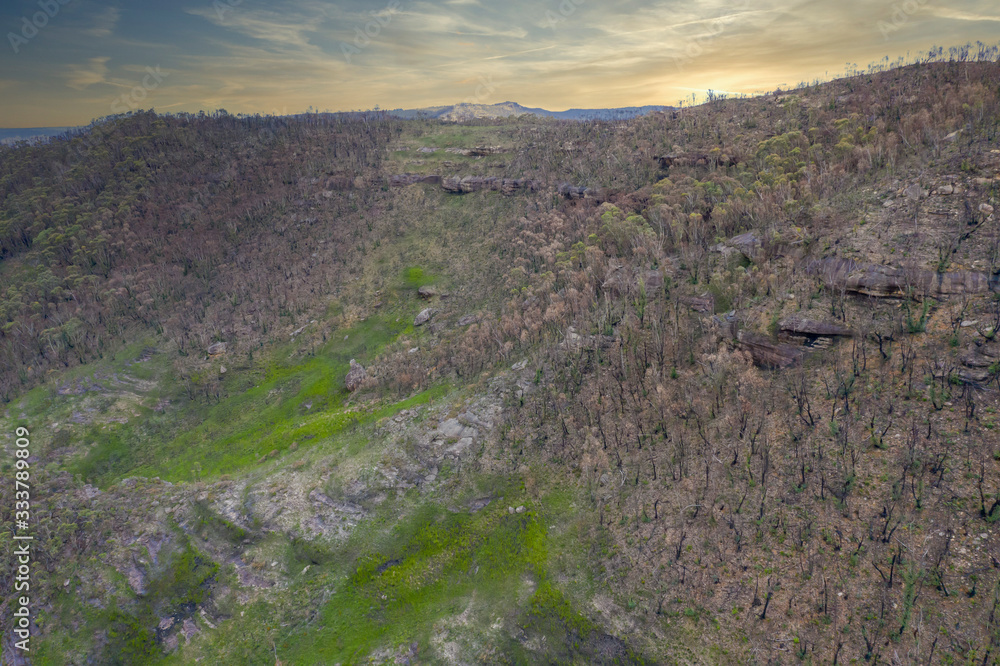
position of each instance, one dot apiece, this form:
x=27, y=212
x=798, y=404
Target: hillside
x=711, y=386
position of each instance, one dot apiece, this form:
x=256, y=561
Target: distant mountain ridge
x=454, y=113
x=470, y=111
x=15, y=134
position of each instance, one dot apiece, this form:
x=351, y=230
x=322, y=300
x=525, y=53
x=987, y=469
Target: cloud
x=79, y=77
x=257, y=56
x=956, y=15
x=509, y=55
x=104, y=23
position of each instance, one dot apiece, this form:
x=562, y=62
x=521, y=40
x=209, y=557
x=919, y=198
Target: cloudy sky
x=66, y=62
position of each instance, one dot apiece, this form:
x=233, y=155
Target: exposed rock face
x=478, y=151
x=404, y=179
x=356, y=376
x=799, y=324
x=979, y=360
x=189, y=629
x=769, y=354
x=683, y=159
x=588, y=342
x=699, y=303
x=456, y=185
x=424, y=316
x=579, y=192
x=891, y=282
x=747, y=244
x=136, y=578
x=466, y=184
x=653, y=280
x=573, y=191
x=340, y=182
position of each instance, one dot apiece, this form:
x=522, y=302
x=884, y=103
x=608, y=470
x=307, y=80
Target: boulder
x=217, y=348
x=356, y=376
x=424, y=316
x=914, y=192
x=748, y=244
x=427, y=292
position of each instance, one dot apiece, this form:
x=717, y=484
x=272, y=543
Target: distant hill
x=466, y=111
x=15, y=134
x=454, y=112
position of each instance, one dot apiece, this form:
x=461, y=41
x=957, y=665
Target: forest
x=717, y=384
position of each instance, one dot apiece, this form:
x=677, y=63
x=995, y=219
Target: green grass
x=414, y=566
x=130, y=623
x=300, y=401
x=437, y=563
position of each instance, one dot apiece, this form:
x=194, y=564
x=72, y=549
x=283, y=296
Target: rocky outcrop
x=478, y=151
x=339, y=182
x=574, y=192
x=404, y=179
x=687, y=159
x=703, y=303
x=981, y=361
x=587, y=342
x=892, y=282
x=799, y=324
x=356, y=376
x=456, y=185
x=769, y=354
x=748, y=244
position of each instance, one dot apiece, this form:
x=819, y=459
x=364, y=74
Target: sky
x=67, y=62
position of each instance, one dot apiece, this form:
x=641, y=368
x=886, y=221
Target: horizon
x=68, y=62
x=693, y=101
